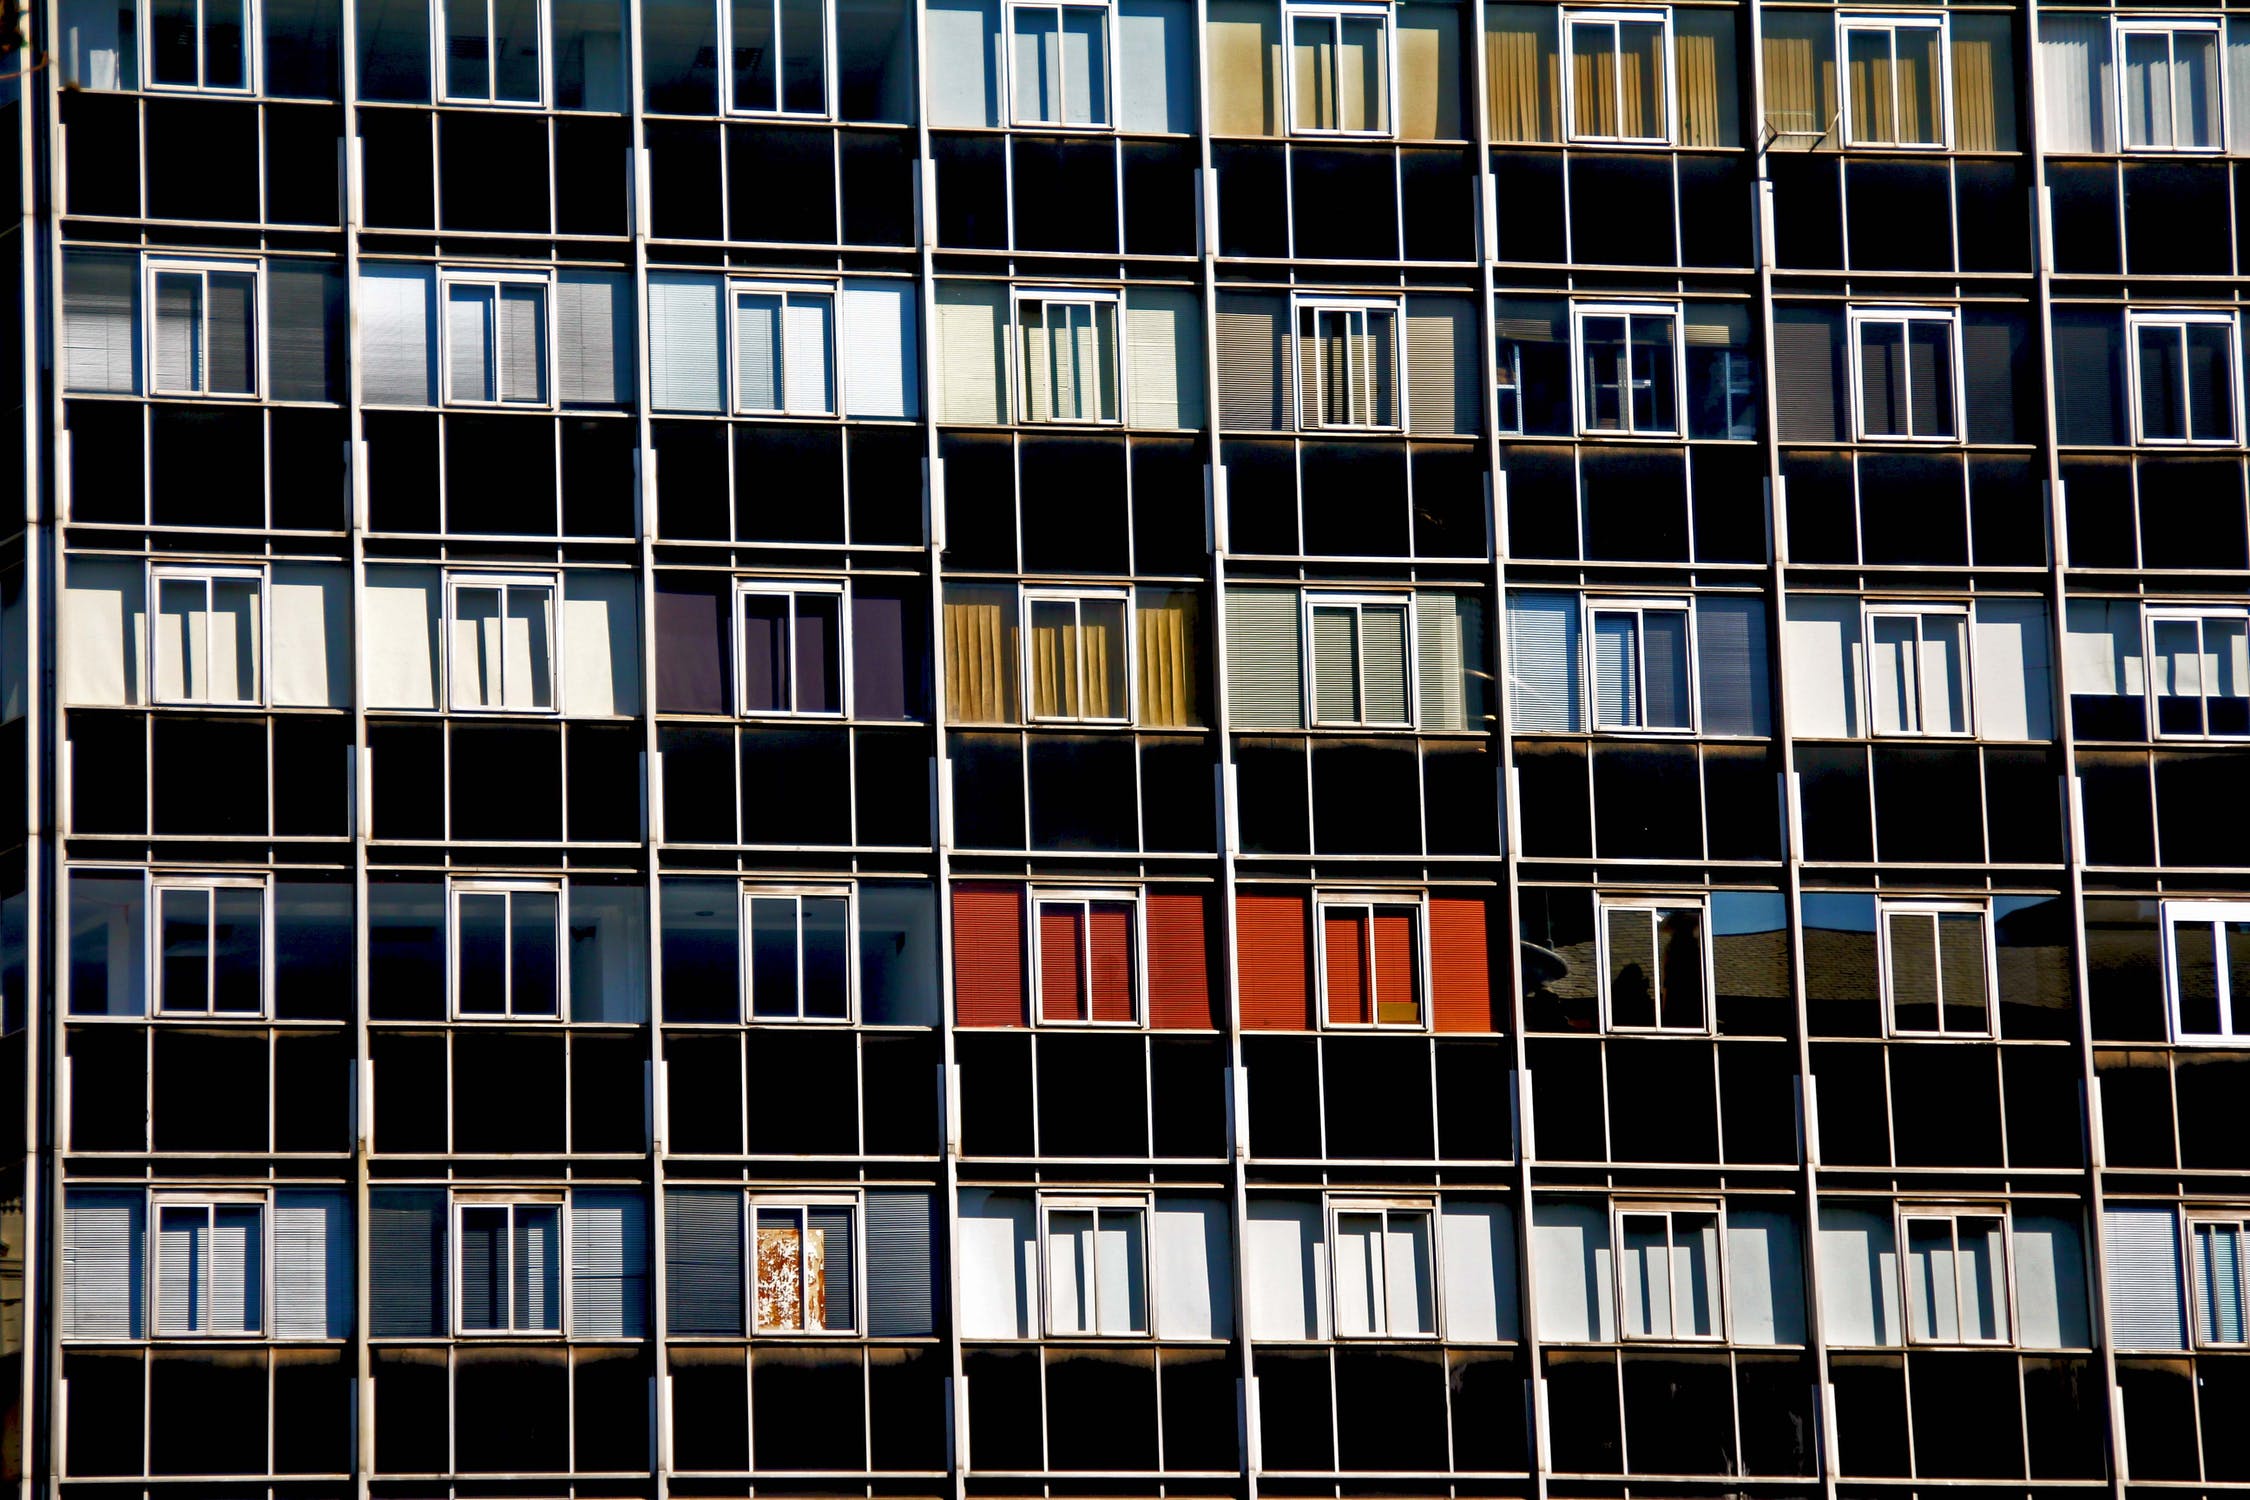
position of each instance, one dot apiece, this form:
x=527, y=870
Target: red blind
x=1272, y=963
x=1062, y=961
x=1110, y=925
x=1179, y=962
x=988, y=976
x=1460, y=966
x=1344, y=934
x=1398, y=976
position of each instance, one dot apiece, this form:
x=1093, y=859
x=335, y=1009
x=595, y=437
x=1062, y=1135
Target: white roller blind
x=394, y=335
x=877, y=349
x=312, y=1265
x=1765, y=1276
x=964, y=43
x=1478, y=1263
x=1859, y=1275
x=101, y=305
x=594, y=338
x=401, y=637
x=1156, y=66
x=1192, y=1262
x=1164, y=358
x=1285, y=1269
x=1576, y=1280
x=2102, y=648
x=101, y=1265
x=971, y=359
x=1543, y=667
x=2074, y=59
x=684, y=343
x=999, y=1265
x=2050, y=1269
x=2015, y=689
x=1264, y=678
x=1824, y=664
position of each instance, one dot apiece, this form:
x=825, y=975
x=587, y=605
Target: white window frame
x=793, y=589
x=207, y=575
x=1613, y=18
x=1336, y=1207
x=800, y=1204
x=2238, y=1220
x=1085, y=897
x=490, y=99
x=1309, y=402
x=832, y=293
x=552, y=583
x=1097, y=1204
x=202, y=268
x=160, y=1200
x=1874, y=610
x=1077, y=599
x=1722, y=1328
x=2138, y=318
x=1582, y=385
x=560, y=1202
x=1508, y=391
x=1089, y=298
x=158, y=884
x=1652, y=904
x=1856, y=321
x=2169, y=27
x=848, y=893
x=2151, y=617
x=253, y=50
x=2216, y=914
x=1638, y=607
x=450, y=277
x=1895, y=22
x=1308, y=602
x=1108, y=13
x=734, y=106
x=479, y=886
x=1905, y=1214
x=1336, y=12
x=1885, y=909
x=1408, y=901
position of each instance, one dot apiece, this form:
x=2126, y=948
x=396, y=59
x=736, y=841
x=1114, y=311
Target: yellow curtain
x=1592, y=91
x=1521, y=72
x=1800, y=62
x=1071, y=652
x=1097, y=638
x=1054, y=673
x=1634, y=93
x=1698, y=67
x=1166, y=621
x=980, y=657
x=1984, y=86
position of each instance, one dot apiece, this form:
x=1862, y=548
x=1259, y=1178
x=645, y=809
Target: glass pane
x=184, y=968
x=538, y=1268
x=819, y=653
x=1867, y=56
x=780, y=1272
x=1342, y=398
x=1645, y=1269
x=2148, y=95
x=1344, y=943
x=1383, y=663
x=773, y=957
x=237, y=950
x=2176, y=666
x=765, y=653
x=2236, y=935
x=1945, y=680
x=1882, y=379
x=172, y=52
x=1054, y=659
x=1121, y=1300
x=829, y=1301
x=515, y=50
x=1603, y=341
x=827, y=922
x=1411, y=1305
x=1921, y=120
x=474, y=660
x=1984, y=1281
x=1101, y=657
x=1932, y=1311
x=1695, y=1276
x=182, y=638
x=237, y=1277
x=231, y=332
x=1895, y=676
x=804, y=60
x=2196, y=977
x=2195, y=89
x=1914, y=970
x=754, y=54
x=484, y=1267
x=1037, y=51
x=2157, y=356
x=1111, y=961
x=1593, y=78
x=1632, y=965
x=528, y=665
x=1062, y=961
x=1655, y=388
x=1929, y=358
x=1398, y=968
x=481, y=979
x=1362, y=76
x=1097, y=363
x=1640, y=83
x=1312, y=54
x=1070, y=1271
x=234, y=641
x=1085, y=67
x=1361, y=1285
x=1960, y=937
x=468, y=342
x=179, y=331
x=1335, y=646
x=1375, y=365
x=523, y=344
x=2226, y=662
x=2218, y=1283
x=808, y=381
x=757, y=344
x=1664, y=655
x=182, y=1251
x=1680, y=985
x=1617, y=670
x=2210, y=382
x=533, y=986
x=468, y=43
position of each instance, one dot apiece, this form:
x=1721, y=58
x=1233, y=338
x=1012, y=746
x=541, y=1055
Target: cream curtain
x=1704, y=79
x=1168, y=624
x=1072, y=653
x=1522, y=72
x=980, y=656
x=1800, y=62
x=1984, y=87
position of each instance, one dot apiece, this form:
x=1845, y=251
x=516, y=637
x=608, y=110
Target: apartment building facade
x=1094, y=748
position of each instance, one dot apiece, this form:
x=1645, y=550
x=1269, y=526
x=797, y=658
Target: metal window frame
x=799, y=1203
x=1415, y=902
x=792, y=589
x=1507, y=360
x=253, y=37
x=1613, y=18
x=1870, y=611
x=160, y=1199
x=1336, y=12
x=1592, y=605
x=1140, y=1205
x=1310, y=601
x=478, y=885
x=1089, y=297
x=2171, y=916
x=1029, y=596
x=729, y=105
x=1722, y=1305
x=1016, y=116
x=2151, y=617
x=1582, y=384
x=1653, y=903
x=2239, y=1221
x=442, y=94
x=1310, y=403
x=203, y=267
x=2169, y=27
x=156, y=885
x=796, y=892
x=1933, y=908
x=1856, y=321
x=207, y=574
x=455, y=581
x=1904, y=1213
x=1333, y=1208
x=2182, y=319
x=557, y=1199
x=1084, y=898
x=1894, y=22
x=449, y=277
x=737, y=287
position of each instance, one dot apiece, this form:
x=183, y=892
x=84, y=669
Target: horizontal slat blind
x=1543, y=665
x=901, y=1264
x=312, y=1265
x=406, y=1263
x=1460, y=965
x=703, y=1261
x=2143, y=1253
x=1272, y=962
x=1264, y=665
x=1437, y=646
x=1179, y=962
x=685, y=343
x=880, y=350
x=1731, y=672
x=608, y=1264
x=1442, y=389
x=1255, y=393
x=988, y=955
x=304, y=330
x=394, y=335
x=102, y=1266
x=1164, y=355
x=972, y=359
x=594, y=327
x=1807, y=374
x=101, y=311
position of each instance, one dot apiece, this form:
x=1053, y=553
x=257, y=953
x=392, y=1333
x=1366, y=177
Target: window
x=804, y=1266
x=1068, y=347
x=1918, y=669
x=1096, y=1266
x=1086, y=961
x=1059, y=59
x=1348, y=363
x=798, y=961
x=1655, y=966
x=1385, y=1287
x=507, y=950
x=501, y=633
x=1640, y=654
x=492, y=52
x=1628, y=369
x=201, y=44
x=784, y=350
x=780, y=52
x=211, y=947
x=496, y=340
x=2207, y=964
x=1903, y=366
x=2199, y=672
x=1668, y=1271
x=1361, y=671
x=210, y=635
x=1956, y=1276
x=1937, y=968
x=210, y=1267
x=204, y=334
x=1371, y=961
x=2184, y=382
x=2170, y=88
x=1340, y=69
x=1895, y=85
x=2216, y=1245
x=1079, y=662
x=1509, y=376
x=792, y=649
x=1619, y=61
x=508, y=1267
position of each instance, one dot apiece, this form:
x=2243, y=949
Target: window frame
x=209, y=1200
x=440, y=42
x=1334, y=1208
x=496, y=278
x=483, y=885
x=253, y=48
x=1311, y=600
x=1089, y=297
x=1872, y=610
x=2184, y=318
x=2171, y=915
x=1904, y=1213
x=1336, y=12
x=1893, y=22
x=737, y=287
x=1309, y=402
x=2169, y=27
x=2238, y=1220
x=157, y=884
x=1638, y=606
x=1582, y=386
x=1414, y=902
x=455, y=581
x=1086, y=897
x=1856, y=320
x=1933, y=908
x=729, y=105
x=801, y=1204
x=1653, y=903
x=2154, y=615
x=208, y=574
x=1722, y=1309
x=797, y=892
x=1613, y=17
x=559, y=1200
x=792, y=588
x=203, y=268
x=1077, y=598
x=1108, y=11
x=1097, y=1203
